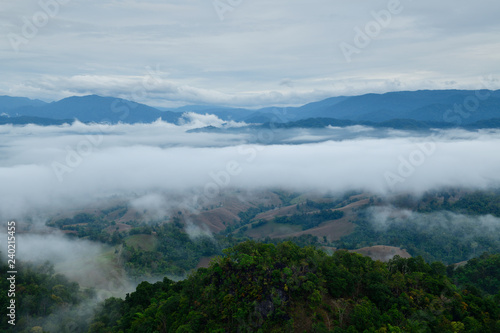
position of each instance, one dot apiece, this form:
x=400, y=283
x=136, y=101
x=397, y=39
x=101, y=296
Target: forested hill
x=259, y=287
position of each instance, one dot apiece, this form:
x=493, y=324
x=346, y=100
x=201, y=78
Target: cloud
x=151, y=206
x=194, y=231
x=80, y=260
x=46, y=169
x=258, y=56
x=468, y=227
x=196, y=120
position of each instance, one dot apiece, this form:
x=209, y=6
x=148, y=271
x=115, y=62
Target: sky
x=244, y=53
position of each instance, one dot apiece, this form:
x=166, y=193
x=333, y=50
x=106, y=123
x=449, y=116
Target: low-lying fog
x=46, y=169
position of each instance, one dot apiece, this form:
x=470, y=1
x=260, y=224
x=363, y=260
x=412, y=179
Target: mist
x=470, y=226
x=44, y=170
x=444, y=236
x=82, y=261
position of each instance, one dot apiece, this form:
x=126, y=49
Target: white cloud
x=82, y=261
x=383, y=217
x=153, y=206
x=44, y=169
x=196, y=120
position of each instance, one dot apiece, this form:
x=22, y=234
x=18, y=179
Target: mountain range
x=423, y=108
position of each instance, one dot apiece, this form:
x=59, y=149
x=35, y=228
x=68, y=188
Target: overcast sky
x=253, y=53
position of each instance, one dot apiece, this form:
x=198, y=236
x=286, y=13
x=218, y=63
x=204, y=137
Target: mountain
x=8, y=103
x=95, y=108
x=449, y=107
x=423, y=105
x=436, y=106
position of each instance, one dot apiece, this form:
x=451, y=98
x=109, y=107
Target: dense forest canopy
x=259, y=287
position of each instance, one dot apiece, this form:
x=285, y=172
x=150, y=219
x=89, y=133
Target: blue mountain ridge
x=457, y=107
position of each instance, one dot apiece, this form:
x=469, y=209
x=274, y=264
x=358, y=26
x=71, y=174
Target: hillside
x=402, y=225
x=285, y=288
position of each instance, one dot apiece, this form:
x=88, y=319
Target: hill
x=422, y=105
x=98, y=109
x=10, y=103
x=265, y=288
x=442, y=108
x=445, y=107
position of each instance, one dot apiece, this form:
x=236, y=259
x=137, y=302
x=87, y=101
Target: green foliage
x=257, y=287
x=302, y=240
x=175, y=253
x=479, y=203
x=482, y=273
x=89, y=226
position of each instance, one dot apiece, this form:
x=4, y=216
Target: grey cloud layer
x=104, y=47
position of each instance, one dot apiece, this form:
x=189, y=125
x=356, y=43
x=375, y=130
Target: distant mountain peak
x=421, y=105
x=10, y=103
